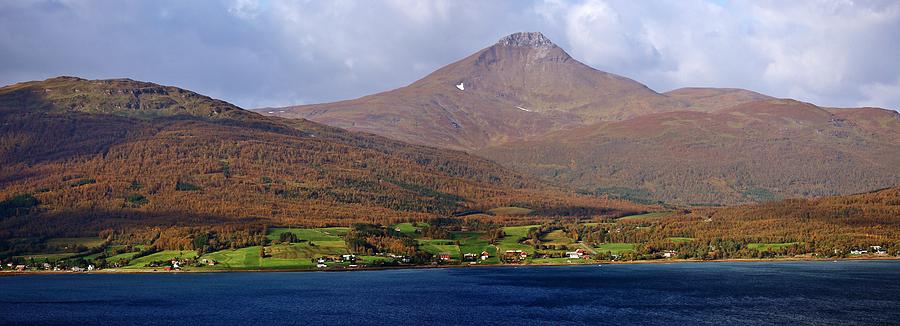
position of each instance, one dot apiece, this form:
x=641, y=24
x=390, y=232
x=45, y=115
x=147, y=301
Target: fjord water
x=838, y=293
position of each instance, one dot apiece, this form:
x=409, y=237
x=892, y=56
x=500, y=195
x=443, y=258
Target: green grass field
x=557, y=237
x=511, y=240
x=329, y=234
x=127, y=255
x=615, y=248
x=473, y=242
x=141, y=262
x=680, y=239
x=283, y=256
x=765, y=246
x=435, y=247
x=408, y=228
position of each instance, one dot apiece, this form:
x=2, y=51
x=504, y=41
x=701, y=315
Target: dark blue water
x=821, y=293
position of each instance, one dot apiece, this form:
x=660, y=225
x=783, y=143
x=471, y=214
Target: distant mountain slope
x=121, y=153
x=524, y=85
x=710, y=99
x=754, y=151
x=524, y=102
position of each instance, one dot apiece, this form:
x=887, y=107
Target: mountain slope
x=526, y=104
x=119, y=153
x=711, y=99
x=754, y=151
x=524, y=85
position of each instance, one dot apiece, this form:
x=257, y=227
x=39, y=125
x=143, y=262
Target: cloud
x=833, y=53
x=278, y=52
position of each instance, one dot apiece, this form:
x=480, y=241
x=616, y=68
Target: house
x=348, y=257
x=20, y=268
x=669, y=253
x=90, y=268
x=444, y=256
x=577, y=254
x=515, y=254
x=858, y=252
x=485, y=255
x=470, y=256
x=321, y=265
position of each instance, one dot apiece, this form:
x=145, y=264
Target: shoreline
x=634, y=262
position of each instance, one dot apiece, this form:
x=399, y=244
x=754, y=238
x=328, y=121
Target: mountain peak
x=528, y=39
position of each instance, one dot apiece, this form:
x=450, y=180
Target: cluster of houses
x=577, y=254
x=322, y=262
x=469, y=256
x=515, y=255
x=44, y=266
x=875, y=250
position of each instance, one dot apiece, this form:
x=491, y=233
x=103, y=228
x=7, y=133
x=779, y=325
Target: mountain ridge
x=526, y=103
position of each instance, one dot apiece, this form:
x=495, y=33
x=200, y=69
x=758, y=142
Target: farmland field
x=408, y=228
x=307, y=234
x=615, y=248
x=765, y=246
x=435, y=247
x=511, y=240
x=141, y=262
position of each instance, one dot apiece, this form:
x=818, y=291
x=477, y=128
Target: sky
x=261, y=53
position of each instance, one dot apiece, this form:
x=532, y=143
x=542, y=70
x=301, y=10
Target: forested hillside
x=80, y=156
x=753, y=152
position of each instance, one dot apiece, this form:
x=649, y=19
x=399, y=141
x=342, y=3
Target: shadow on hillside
x=88, y=222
